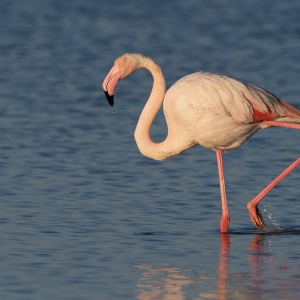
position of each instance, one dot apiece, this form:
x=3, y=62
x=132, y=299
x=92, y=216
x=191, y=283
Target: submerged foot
x=224, y=224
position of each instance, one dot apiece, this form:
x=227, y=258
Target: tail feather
x=290, y=111
x=283, y=115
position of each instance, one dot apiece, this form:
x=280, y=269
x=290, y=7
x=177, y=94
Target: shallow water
x=83, y=214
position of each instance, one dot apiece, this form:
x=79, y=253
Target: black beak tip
x=110, y=98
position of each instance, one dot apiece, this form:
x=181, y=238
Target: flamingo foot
x=255, y=216
x=224, y=224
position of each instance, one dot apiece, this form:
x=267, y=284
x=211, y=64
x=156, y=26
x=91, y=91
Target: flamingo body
x=213, y=110
x=221, y=113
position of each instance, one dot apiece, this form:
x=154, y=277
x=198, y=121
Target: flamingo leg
x=252, y=205
x=255, y=215
x=225, y=220
x=281, y=124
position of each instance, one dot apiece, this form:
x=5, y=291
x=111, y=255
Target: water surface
x=83, y=214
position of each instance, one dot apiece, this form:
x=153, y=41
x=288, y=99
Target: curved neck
x=146, y=145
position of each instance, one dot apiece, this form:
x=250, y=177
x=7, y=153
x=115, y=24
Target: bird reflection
x=168, y=287
x=170, y=283
x=223, y=266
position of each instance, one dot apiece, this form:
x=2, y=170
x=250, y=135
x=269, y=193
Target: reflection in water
x=223, y=266
x=162, y=283
x=262, y=280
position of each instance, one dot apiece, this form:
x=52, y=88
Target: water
x=83, y=214
x=273, y=226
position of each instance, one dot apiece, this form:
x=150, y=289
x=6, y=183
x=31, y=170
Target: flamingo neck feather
x=157, y=151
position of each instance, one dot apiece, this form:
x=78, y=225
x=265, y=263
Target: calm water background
x=83, y=214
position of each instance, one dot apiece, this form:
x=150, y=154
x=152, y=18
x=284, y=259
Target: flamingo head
x=123, y=66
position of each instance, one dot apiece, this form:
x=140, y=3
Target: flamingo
x=213, y=110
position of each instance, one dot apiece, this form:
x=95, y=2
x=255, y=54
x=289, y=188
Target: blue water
x=83, y=214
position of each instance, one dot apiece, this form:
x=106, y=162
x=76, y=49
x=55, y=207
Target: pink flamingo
x=215, y=111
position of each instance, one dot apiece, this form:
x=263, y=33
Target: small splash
x=270, y=224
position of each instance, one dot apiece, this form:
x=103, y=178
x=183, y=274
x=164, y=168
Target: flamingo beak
x=110, y=82
x=110, y=98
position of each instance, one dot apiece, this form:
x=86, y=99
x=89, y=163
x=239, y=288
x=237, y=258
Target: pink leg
x=255, y=215
x=281, y=124
x=252, y=205
x=225, y=220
